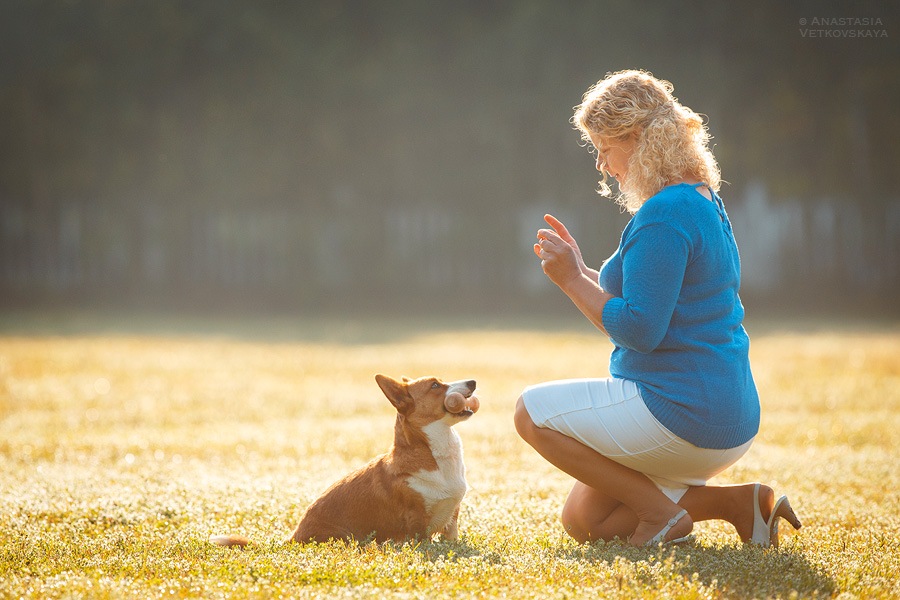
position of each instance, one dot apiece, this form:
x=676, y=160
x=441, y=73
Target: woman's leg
x=592, y=515
x=651, y=507
x=732, y=503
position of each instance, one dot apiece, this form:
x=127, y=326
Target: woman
x=681, y=405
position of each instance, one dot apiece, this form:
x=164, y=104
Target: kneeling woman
x=681, y=405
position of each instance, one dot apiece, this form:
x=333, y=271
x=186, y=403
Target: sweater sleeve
x=654, y=259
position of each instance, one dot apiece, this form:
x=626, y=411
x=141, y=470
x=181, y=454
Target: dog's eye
x=435, y=385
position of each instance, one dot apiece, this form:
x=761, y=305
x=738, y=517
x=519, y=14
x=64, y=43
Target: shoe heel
x=781, y=510
x=785, y=511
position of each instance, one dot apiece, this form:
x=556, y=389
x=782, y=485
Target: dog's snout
x=463, y=386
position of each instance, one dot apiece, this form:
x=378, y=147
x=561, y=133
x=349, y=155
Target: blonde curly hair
x=672, y=141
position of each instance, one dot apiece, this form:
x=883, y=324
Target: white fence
x=829, y=242
x=76, y=251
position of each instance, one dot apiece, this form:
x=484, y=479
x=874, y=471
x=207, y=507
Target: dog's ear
x=406, y=379
x=395, y=391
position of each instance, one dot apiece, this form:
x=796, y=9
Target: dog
x=412, y=491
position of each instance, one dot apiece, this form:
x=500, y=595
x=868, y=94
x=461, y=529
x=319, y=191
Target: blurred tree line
x=345, y=110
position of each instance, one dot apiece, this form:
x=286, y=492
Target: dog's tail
x=229, y=540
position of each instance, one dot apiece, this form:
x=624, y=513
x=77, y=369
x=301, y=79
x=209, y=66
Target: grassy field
x=124, y=445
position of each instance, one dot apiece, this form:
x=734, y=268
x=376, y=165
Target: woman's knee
x=524, y=425
x=570, y=517
x=573, y=521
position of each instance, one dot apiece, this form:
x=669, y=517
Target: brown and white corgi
x=415, y=489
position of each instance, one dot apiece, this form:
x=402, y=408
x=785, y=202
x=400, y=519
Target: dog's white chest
x=443, y=488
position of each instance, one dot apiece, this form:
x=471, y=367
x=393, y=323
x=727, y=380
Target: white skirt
x=610, y=416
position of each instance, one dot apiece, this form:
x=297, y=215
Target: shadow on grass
x=734, y=572
x=430, y=550
x=740, y=572
x=433, y=550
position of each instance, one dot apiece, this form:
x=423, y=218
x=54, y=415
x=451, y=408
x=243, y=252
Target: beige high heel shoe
x=765, y=533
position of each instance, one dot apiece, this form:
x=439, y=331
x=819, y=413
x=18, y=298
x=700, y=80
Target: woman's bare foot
x=647, y=529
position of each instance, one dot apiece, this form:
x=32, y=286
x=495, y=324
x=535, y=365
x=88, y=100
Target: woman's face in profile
x=613, y=155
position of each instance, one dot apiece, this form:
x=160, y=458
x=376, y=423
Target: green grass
x=122, y=450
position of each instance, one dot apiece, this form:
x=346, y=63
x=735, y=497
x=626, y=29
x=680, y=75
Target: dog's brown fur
x=415, y=489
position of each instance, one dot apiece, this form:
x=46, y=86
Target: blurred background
x=398, y=156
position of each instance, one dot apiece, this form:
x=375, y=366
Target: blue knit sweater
x=676, y=318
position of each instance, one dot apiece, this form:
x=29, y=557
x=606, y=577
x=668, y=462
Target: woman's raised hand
x=559, y=253
x=557, y=225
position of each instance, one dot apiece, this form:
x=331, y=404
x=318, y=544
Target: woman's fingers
x=550, y=235
x=562, y=232
x=558, y=226
x=554, y=222
x=559, y=254
x=547, y=246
